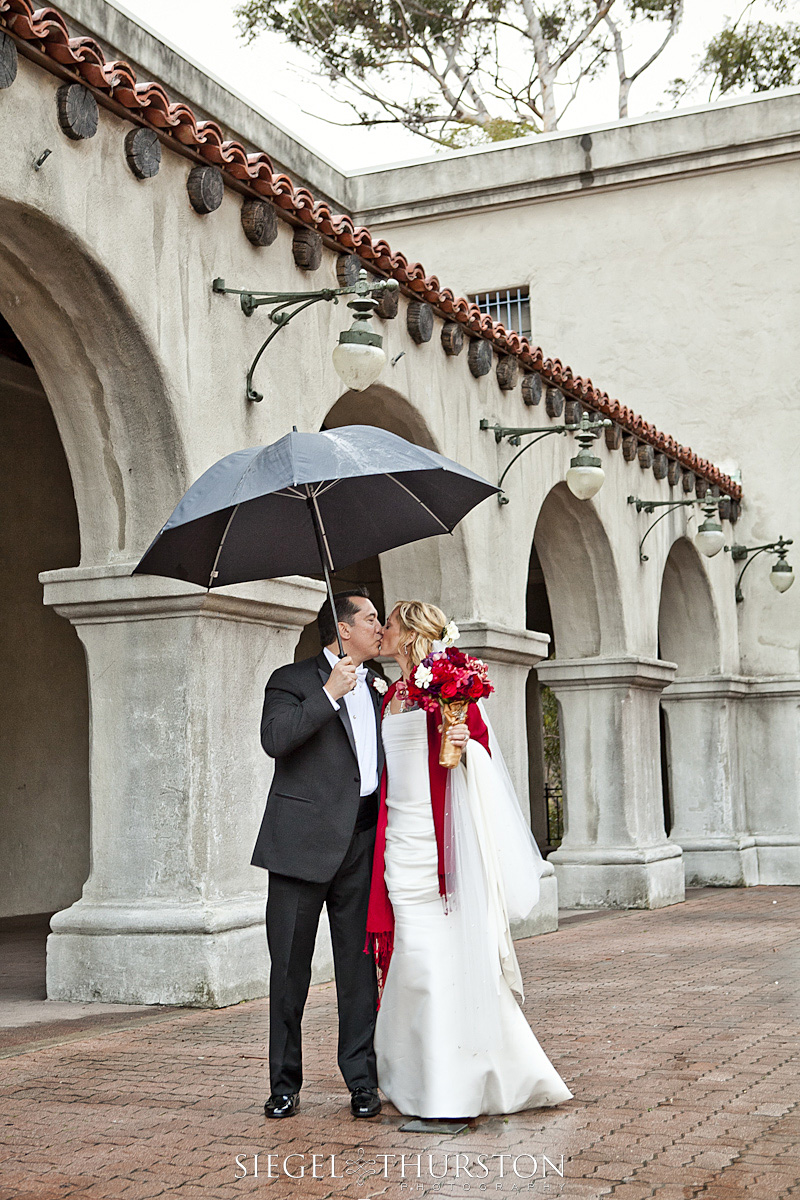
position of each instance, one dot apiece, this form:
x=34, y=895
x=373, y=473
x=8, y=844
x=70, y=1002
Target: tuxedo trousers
x=293, y=911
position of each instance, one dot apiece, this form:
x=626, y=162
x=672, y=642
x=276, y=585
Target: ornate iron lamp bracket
x=286, y=306
x=650, y=506
x=590, y=429
x=748, y=554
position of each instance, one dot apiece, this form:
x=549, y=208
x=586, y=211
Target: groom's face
x=361, y=636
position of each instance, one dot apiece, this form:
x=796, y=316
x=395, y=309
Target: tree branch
x=603, y=7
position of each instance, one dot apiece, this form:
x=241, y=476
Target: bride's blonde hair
x=421, y=624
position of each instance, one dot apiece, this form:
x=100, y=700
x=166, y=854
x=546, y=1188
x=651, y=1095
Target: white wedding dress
x=451, y=1040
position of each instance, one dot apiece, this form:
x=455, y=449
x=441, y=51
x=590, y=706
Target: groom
x=320, y=724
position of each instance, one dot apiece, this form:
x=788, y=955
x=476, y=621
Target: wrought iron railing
x=553, y=803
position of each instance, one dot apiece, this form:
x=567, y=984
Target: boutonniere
x=380, y=685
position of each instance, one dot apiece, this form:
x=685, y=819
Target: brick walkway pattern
x=677, y=1030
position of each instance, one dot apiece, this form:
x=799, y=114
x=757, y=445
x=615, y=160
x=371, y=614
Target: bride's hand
x=458, y=735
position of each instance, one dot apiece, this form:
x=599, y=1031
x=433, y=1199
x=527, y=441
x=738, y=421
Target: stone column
x=172, y=912
x=769, y=739
x=615, y=853
x=708, y=810
x=510, y=654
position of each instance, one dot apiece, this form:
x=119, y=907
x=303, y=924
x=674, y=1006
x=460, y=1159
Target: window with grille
x=510, y=306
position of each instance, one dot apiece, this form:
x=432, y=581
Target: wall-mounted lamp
x=781, y=576
x=709, y=538
x=585, y=475
x=358, y=358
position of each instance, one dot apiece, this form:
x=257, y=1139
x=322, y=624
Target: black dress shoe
x=282, y=1106
x=365, y=1102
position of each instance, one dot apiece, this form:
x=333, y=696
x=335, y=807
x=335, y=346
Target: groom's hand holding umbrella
x=342, y=679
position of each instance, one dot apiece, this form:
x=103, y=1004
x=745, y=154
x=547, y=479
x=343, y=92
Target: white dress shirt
x=361, y=711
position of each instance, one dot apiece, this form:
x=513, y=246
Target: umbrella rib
x=326, y=486
x=413, y=497
x=214, y=571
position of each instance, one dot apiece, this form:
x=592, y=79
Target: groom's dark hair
x=345, y=611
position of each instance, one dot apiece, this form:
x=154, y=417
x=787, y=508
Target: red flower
x=454, y=675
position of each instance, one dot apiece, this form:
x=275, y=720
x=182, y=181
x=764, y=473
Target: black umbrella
x=332, y=498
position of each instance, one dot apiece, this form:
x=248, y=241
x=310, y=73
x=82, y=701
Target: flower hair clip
x=450, y=635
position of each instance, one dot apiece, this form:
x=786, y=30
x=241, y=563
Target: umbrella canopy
x=310, y=501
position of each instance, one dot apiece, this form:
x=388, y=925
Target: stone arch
x=98, y=465
x=580, y=577
x=385, y=408
x=573, y=595
x=688, y=623
x=688, y=635
x=102, y=377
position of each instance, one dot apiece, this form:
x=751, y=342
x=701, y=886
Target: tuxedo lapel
x=324, y=670
x=377, y=704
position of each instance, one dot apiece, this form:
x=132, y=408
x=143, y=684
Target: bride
x=454, y=860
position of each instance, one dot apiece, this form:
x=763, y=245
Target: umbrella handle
x=316, y=520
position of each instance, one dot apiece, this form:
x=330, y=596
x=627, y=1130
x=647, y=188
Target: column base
x=201, y=956
x=719, y=862
x=544, y=918
x=778, y=859
x=619, y=879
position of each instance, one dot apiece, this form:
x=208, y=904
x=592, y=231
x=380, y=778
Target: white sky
x=279, y=80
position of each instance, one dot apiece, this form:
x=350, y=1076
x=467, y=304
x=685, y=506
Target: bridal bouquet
x=449, y=680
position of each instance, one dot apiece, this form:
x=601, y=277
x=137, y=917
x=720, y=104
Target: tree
x=651, y=12
x=463, y=71
x=747, y=56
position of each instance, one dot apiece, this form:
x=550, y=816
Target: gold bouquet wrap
x=454, y=712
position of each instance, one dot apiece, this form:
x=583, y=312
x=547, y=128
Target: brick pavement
x=677, y=1030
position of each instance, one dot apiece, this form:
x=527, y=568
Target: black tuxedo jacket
x=315, y=794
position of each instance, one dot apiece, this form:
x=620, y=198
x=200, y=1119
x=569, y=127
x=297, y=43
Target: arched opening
x=541, y=718
x=688, y=635
x=688, y=629
x=384, y=408
x=92, y=462
x=44, y=702
x=581, y=577
x=573, y=596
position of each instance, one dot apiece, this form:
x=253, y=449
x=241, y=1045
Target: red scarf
x=380, y=917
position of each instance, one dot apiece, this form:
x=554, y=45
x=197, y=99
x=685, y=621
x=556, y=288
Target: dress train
x=450, y=1040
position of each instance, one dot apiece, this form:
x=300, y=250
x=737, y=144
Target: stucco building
x=659, y=258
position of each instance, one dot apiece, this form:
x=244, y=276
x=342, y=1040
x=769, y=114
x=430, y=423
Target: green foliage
x=495, y=130
x=552, y=736
x=757, y=57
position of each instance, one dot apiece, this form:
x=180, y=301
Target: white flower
x=423, y=676
x=451, y=634
x=380, y=685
